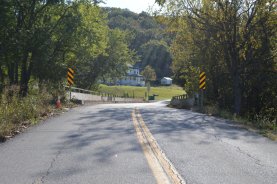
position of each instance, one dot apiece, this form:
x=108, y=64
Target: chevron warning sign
x=202, y=80
x=70, y=76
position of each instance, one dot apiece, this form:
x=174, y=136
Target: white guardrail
x=88, y=95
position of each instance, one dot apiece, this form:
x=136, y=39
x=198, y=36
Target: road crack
x=41, y=180
x=256, y=160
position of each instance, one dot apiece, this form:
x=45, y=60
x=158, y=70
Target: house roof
x=135, y=66
x=166, y=78
x=130, y=66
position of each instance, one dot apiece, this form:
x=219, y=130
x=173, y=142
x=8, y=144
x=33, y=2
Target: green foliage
x=264, y=122
x=156, y=54
x=149, y=73
x=16, y=111
x=39, y=40
x=160, y=2
x=234, y=42
x=113, y=65
x=146, y=36
x=90, y=42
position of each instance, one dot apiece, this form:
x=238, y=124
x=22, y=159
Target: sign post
x=70, y=79
x=148, y=90
x=202, y=87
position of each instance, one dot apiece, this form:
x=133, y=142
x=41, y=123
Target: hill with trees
x=147, y=38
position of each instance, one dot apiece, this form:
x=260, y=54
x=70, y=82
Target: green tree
x=149, y=74
x=112, y=64
x=147, y=37
x=235, y=43
x=90, y=42
x=119, y=55
x=25, y=33
x=157, y=55
x=40, y=39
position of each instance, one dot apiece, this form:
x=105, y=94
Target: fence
x=180, y=97
x=182, y=101
x=88, y=95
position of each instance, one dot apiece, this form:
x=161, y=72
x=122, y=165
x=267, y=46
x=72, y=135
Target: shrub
x=15, y=111
x=264, y=122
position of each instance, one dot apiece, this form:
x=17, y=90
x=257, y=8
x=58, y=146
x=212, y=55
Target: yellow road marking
x=162, y=168
x=153, y=163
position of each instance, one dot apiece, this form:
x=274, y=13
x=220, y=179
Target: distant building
x=166, y=81
x=133, y=77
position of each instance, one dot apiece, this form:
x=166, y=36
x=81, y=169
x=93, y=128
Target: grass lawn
x=164, y=92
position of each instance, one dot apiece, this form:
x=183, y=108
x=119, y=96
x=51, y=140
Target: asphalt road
x=98, y=144
x=209, y=150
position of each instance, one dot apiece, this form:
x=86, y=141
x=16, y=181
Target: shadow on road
x=169, y=121
x=99, y=136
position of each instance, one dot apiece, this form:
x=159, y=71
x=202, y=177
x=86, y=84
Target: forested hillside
x=147, y=37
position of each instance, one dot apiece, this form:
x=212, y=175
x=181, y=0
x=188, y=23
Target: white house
x=166, y=81
x=133, y=77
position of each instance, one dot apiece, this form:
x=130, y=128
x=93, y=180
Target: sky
x=133, y=5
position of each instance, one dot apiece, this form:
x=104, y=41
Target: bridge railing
x=79, y=90
x=103, y=94
x=180, y=97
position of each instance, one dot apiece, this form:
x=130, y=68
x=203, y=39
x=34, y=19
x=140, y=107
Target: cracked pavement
x=98, y=144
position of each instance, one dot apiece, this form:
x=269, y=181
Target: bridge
x=86, y=96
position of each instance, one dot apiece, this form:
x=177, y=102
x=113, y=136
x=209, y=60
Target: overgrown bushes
x=16, y=111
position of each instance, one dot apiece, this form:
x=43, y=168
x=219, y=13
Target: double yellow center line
x=163, y=170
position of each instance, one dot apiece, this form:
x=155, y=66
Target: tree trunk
x=24, y=81
x=237, y=93
x=25, y=74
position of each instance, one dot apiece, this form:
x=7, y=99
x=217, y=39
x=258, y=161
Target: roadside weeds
x=18, y=113
x=10, y=130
